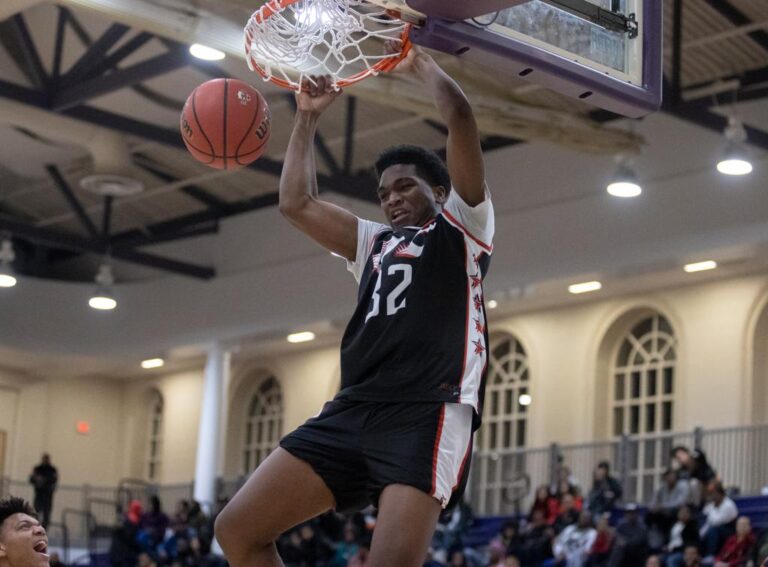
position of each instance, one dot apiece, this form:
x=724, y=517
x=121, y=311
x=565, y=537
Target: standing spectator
x=685, y=533
x=737, y=551
x=721, y=514
x=546, y=503
x=693, y=468
x=44, y=478
x=601, y=549
x=631, y=547
x=606, y=490
x=572, y=546
x=662, y=511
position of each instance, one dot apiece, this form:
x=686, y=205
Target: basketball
x=225, y=124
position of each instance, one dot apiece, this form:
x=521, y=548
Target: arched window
x=263, y=424
x=642, y=401
x=155, y=437
x=499, y=444
x=504, y=416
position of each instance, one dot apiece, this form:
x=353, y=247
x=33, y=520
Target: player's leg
x=283, y=492
x=406, y=521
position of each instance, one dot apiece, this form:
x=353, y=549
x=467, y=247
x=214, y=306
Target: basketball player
x=398, y=435
x=23, y=542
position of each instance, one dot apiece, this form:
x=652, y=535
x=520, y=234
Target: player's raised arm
x=329, y=225
x=464, y=156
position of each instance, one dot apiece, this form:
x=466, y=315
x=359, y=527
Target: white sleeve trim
x=366, y=235
x=477, y=222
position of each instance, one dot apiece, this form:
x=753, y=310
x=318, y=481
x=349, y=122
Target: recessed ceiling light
x=7, y=280
x=492, y=304
x=700, y=266
x=102, y=302
x=152, y=363
x=525, y=399
x=585, y=287
x=206, y=53
x=302, y=337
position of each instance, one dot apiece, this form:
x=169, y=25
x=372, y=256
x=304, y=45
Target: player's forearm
x=450, y=100
x=298, y=181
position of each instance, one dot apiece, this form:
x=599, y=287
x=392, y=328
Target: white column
x=216, y=376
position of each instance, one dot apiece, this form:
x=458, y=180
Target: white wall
x=721, y=328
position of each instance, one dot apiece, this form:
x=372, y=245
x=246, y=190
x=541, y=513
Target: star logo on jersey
x=478, y=302
x=476, y=280
x=479, y=327
x=476, y=260
x=479, y=347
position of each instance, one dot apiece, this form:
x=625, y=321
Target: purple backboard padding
x=554, y=71
x=461, y=9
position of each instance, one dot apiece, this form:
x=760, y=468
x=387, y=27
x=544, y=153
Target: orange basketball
x=225, y=123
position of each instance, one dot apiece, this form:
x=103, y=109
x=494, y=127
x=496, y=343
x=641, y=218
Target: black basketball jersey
x=419, y=330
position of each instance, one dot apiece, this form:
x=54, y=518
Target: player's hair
x=428, y=164
x=12, y=505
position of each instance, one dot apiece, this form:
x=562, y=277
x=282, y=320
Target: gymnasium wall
x=721, y=328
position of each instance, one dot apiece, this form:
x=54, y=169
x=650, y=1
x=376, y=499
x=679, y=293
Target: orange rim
x=276, y=6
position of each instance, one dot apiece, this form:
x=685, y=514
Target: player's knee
x=237, y=536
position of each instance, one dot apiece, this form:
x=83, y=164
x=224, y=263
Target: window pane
x=508, y=401
x=634, y=420
x=494, y=403
x=666, y=416
x=650, y=418
x=635, y=384
x=619, y=386
x=493, y=439
x=521, y=433
x=618, y=421
x=507, y=434
x=649, y=457
x=651, y=382
x=668, y=380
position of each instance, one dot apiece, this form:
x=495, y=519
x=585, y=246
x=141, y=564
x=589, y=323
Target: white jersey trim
x=451, y=450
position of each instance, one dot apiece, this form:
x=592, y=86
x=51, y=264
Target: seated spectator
x=685, y=533
x=606, y=490
x=737, y=551
x=359, y=560
x=537, y=540
x=631, y=546
x=662, y=511
x=566, y=487
x=601, y=549
x=457, y=559
x=693, y=468
x=152, y=527
x=653, y=561
x=691, y=557
x=511, y=561
x=546, y=503
x=314, y=549
x=572, y=546
x=430, y=560
x=124, y=549
x=347, y=548
x=568, y=515
x=721, y=514
x=509, y=539
x=497, y=552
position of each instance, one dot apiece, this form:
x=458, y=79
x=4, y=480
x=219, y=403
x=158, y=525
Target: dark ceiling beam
x=95, y=53
x=19, y=43
x=677, y=52
x=99, y=86
x=738, y=18
x=200, y=195
x=744, y=83
x=349, y=134
x=142, y=237
x=119, y=55
x=322, y=148
x=81, y=33
x=59, y=240
x=58, y=46
x=72, y=200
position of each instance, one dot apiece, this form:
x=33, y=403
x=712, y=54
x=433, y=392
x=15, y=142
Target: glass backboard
x=607, y=53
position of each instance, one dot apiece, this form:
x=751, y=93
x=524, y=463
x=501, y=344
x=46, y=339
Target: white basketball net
x=286, y=41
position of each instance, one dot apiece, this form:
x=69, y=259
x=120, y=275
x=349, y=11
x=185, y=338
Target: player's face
x=23, y=542
x=406, y=198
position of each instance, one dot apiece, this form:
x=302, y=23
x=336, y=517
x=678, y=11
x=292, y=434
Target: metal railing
x=738, y=454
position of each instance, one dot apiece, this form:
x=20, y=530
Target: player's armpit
x=329, y=225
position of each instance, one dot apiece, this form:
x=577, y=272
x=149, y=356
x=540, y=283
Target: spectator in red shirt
x=601, y=549
x=546, y=504
x=738, y=548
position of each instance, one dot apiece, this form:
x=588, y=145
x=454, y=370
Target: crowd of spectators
x=690, y=522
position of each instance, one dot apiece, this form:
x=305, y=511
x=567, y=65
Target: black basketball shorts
x=360, y=448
